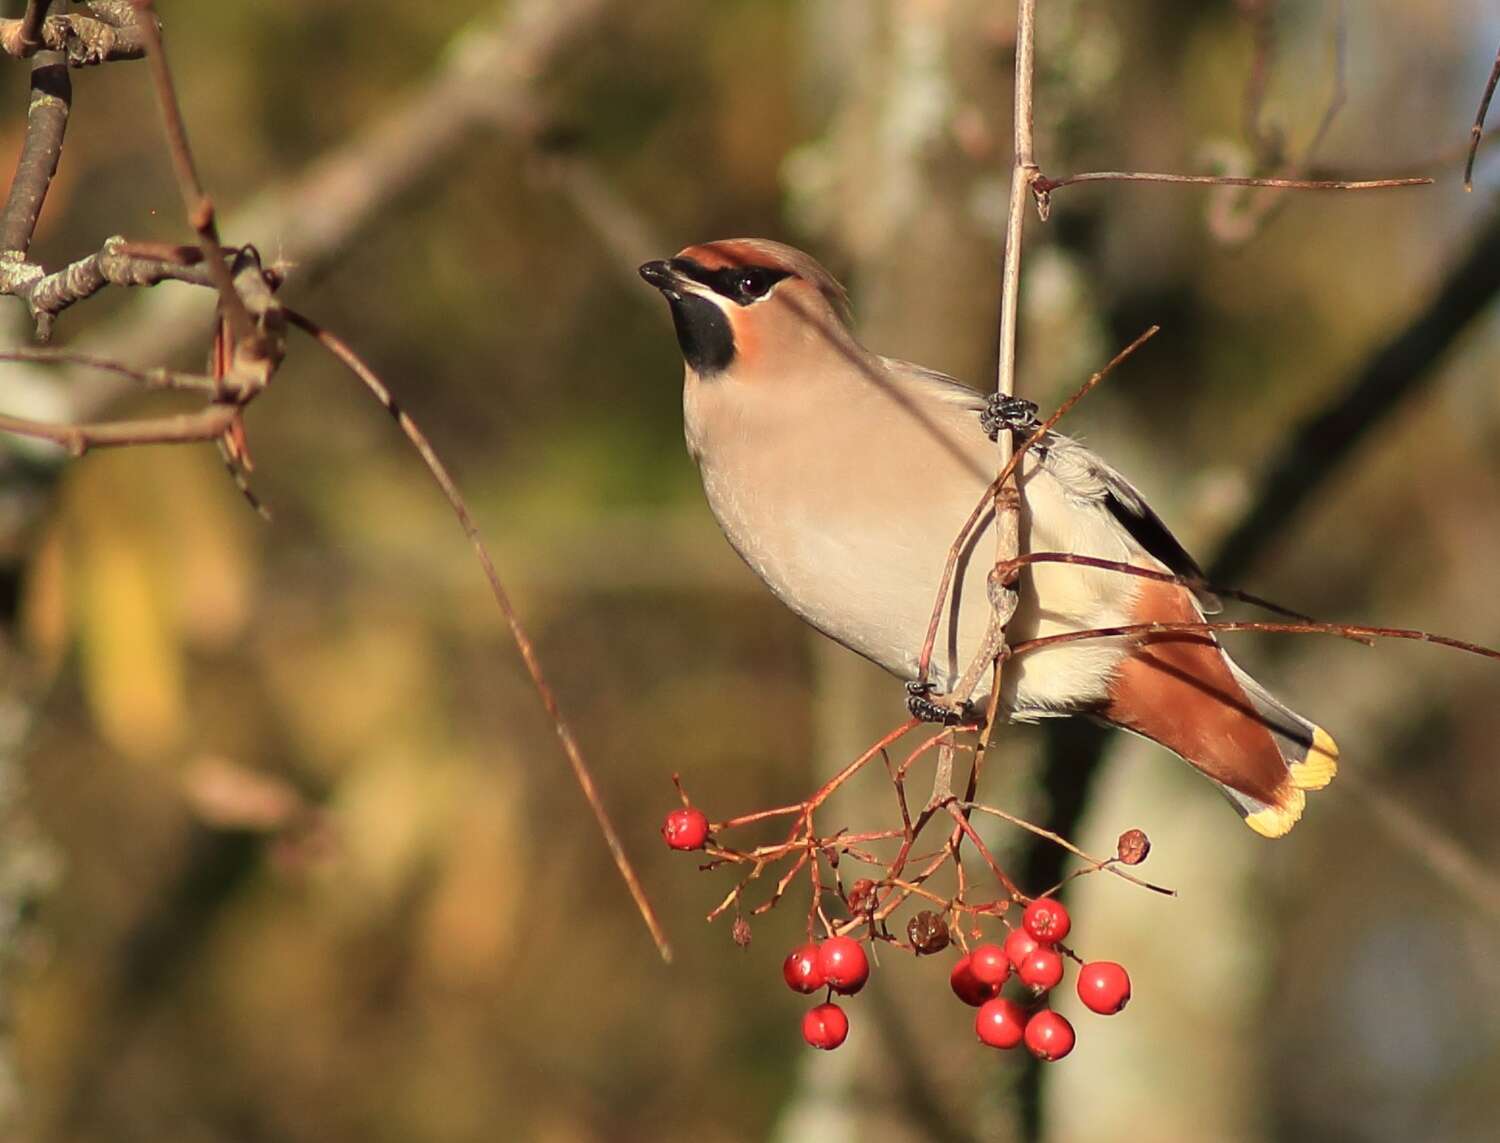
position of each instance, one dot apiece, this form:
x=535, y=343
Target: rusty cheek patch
x=746, y=338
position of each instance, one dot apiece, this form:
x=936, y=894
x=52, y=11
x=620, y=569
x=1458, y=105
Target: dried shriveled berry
x=1133, y=847
x=928, y=932
x=1046, y=920
x=825, y=1026
x=862, y=897
x=1049, y=1036
x=844, y=965
x=741, y=932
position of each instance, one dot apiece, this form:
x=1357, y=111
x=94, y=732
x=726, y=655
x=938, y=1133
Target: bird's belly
x=865, y=570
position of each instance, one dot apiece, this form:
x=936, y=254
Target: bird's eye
x=753, y=283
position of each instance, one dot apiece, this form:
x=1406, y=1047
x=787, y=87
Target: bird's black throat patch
x=703, y=333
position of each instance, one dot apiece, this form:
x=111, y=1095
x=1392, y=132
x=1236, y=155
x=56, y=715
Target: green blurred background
x=290, y=851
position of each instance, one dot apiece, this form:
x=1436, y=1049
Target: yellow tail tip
x=1321, y=764
x=1277, y=821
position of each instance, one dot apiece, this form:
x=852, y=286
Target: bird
x=842, y=477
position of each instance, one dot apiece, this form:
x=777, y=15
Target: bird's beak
x=661, y=275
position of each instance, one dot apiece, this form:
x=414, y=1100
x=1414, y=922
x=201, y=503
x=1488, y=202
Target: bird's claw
x=922, y=704
x=1014, y=413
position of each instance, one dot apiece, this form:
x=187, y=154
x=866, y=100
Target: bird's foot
x=923, y=702
x=1014, y=413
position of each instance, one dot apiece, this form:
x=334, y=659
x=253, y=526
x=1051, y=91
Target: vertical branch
x=46, y=123
x=1022, y=175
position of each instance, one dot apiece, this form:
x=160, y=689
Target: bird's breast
x=848, y=511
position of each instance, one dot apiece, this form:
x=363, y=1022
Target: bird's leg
x=1013, y=413
x=923, y=701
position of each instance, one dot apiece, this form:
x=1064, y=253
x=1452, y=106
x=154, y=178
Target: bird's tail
x=1310, y=754
x=1183, y=691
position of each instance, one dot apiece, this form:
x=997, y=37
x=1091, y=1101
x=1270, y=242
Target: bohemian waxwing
x=843, y=477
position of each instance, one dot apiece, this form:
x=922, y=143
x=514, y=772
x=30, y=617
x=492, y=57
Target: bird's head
x=747, y=304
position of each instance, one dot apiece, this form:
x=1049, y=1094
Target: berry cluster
x=1032, y=956
x=838, y=964
x=1032, y=953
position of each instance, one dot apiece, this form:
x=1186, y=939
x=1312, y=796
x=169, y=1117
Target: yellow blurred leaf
x=200, y=530
x=130, y=658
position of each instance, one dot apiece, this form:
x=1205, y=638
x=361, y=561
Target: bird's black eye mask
x=743, y=285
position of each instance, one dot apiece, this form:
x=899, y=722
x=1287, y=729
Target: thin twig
x=200, y=208
x=185, y=428
x=439, y=471
x=1044, y=186
x=156, y=377
x=1108, y=866
x=1352, y=631
x=1476, y=133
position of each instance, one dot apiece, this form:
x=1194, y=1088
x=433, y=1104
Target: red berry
x=989, y=965
x=1041, y=970
x=1049, y=1036
x=843, y=963
x=967, y=987
x=686, y=828
x=1104, y=987
x=1000, y=1023
x=1019, y=944
x=1047, y=920
x=801, y=971
x=825, y=1026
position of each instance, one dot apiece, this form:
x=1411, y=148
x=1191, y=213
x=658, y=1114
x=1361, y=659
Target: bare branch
x=1044, y=186
x=439, y=471
x=1476, y=133
x=1007, y=498
x=82, y=40
x=485, y=77
x=46, y=123
x=113, y=264
x=207, y=424
x=1352, y=631
x=30, y=35
x=200, y=208
x=154, y=378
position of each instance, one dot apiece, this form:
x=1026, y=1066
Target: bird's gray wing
x=1117, y=495
x=1148, y=529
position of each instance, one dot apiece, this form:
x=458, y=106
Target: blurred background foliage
x=303, y=861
